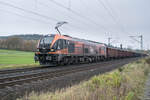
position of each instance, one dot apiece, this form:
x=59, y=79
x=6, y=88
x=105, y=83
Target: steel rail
x=8, y=71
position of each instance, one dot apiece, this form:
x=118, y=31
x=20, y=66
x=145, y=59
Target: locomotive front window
x=47, y=40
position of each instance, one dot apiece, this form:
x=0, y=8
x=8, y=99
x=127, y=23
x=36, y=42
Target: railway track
x=46, y=73
x=22, y=70
x=8, y=71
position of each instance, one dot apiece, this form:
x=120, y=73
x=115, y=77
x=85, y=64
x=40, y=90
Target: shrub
x=147, y=60
x=129, y=96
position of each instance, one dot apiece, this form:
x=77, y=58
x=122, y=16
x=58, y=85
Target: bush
x=129, y=96
x=112, y=79
x=147, y=60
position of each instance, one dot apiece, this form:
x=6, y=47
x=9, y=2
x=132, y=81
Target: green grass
x=13, y=58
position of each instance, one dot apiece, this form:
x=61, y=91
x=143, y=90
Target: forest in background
x=20, y=42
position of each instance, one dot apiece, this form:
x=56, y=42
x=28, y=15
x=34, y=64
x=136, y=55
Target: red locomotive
x=62, y=49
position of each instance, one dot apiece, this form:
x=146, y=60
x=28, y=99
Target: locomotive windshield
x=45, y=42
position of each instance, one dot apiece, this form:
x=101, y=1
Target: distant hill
x=25, y=37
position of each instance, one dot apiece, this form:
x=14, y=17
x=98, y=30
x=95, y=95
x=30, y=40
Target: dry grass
x=122, y=84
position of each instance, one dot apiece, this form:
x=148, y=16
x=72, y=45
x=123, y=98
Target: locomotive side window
x=64, y=43
x=100, y=50
x=86, y=50
x=103, y=48
x=71, y=47
x=60, y=44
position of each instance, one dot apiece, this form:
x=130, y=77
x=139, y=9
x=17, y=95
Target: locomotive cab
x=50, y=49
x=45, y=43
x=43, y=48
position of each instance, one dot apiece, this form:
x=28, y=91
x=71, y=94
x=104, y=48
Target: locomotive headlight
x=37, y=50
x=52, y=50
x=48, y=58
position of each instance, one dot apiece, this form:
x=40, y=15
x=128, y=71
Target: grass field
x=12, y=58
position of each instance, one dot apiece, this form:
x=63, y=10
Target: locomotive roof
x=92, y=42
x=85, y=41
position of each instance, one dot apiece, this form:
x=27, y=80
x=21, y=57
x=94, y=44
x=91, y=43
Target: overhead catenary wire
x=111, y=15
x=83, y=24
x=31, y=12
x=47, y=17
x=70, y=24
x=112, y=10
x=28, y=11
x=44, y=16
x=69, y=4
x=78, y=14
x=86, y=7
x=26, y=17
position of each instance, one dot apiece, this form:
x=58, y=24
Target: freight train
x=56, y=49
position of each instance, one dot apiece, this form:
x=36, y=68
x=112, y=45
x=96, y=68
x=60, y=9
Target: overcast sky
x=89, y=19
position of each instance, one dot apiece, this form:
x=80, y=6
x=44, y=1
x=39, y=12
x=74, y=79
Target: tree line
x=16, y=43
